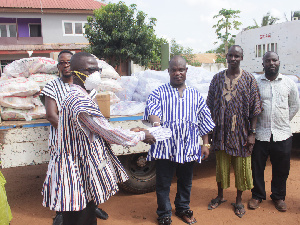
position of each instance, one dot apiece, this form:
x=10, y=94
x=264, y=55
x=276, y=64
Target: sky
x=190, y=22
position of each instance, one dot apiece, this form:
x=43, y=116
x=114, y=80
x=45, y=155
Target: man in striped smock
x=183, y=110
x=234, y=102
x=54, y=92
x=83, y=170
x=280, y=99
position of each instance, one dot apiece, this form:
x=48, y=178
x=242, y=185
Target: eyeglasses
x=92, y=69
x=64, y=63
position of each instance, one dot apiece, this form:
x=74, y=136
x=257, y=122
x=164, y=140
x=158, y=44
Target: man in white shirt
x=280, y=100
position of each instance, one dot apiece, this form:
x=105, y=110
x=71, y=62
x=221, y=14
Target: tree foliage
x=119, y=33
x=186, y=53
x=220, y=50
x=225, y=24
x=266, y=20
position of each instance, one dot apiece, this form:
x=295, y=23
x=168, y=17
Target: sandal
x=214, y=203
x=238, y=210
x=186, y=214
x=164, y=221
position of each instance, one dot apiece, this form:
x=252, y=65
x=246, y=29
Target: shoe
x=186, y=216
x=165, y=221
x=253, y=203
x=280, y=205
x=58, y=220
x=101, y=214
x=239, y=209
x=214, y=203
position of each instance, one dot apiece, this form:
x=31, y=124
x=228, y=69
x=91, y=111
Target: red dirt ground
x=24, y=187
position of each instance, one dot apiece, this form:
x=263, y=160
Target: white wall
x=52, y=30
x=287, y=37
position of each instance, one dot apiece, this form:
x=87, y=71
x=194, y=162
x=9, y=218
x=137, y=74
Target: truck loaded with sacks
x=24, y=131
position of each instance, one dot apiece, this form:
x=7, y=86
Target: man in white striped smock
x=54, y=92
x=83, y=169
x=280, y=99
x=183, y=110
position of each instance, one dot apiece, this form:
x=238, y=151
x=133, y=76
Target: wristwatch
x=207, y=145
x=252, y=131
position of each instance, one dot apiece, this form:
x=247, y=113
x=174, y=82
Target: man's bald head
x=178, y=60
x=78, y=61
x=177, y=71
x=236, y=48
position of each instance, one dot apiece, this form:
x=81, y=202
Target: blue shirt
x=188, y=117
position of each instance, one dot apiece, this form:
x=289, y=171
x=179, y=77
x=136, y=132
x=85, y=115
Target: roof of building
x=52, y=4
x=205, y=57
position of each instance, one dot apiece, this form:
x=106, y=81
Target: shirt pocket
x=282, y=100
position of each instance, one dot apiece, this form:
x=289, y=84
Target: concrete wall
x=287, y=37
x=213, y=67
x=52, y=27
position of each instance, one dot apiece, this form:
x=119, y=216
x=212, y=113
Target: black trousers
x=165, y=170
x=280, y=154
x=86, y=216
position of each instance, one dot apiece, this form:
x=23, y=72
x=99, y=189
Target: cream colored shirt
x=280, y=99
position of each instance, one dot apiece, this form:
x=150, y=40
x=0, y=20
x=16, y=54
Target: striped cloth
x=231, y=107
x=188, y=118
x=281, y=103
x=83, y=167
x=57, y=90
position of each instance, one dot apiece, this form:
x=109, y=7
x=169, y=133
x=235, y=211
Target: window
x=272, y=47
x=260, y=50
x=8, y=30
x=72, y=28
x=35, y=30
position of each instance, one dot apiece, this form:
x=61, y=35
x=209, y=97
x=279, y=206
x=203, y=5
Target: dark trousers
x=280, y=153
x=86, y=216
x=165, y=170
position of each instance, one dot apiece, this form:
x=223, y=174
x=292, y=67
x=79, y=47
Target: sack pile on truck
x=27, y=66
x=20, y=84
x=138, y=86
x=110, y=81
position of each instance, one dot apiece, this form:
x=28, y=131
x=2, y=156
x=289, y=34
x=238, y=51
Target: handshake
x=149, y=138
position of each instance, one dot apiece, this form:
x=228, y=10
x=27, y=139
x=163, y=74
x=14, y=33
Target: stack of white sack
x=110, y=81
x=20, y=82
x=137, y=87
x=19, y=99
x=27, y=66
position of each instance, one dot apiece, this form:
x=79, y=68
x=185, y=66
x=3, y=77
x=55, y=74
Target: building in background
x=283, y=38
x=42, y=27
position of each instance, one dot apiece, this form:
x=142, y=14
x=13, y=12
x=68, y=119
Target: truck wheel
x=142, y=174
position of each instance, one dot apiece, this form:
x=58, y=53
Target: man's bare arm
x=51, y=111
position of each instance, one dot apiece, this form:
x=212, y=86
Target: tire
x=142, y=174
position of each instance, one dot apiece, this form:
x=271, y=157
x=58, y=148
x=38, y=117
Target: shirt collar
x=279, y=77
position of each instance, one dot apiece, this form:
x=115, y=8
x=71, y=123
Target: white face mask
x=93, y=81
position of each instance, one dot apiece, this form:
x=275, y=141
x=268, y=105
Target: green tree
x=120, y=33
x=226, y=22
x=268, y=20
x=186, y=53
x=220, y=50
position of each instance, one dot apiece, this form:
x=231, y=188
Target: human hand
x=149, y=139
x=250, y=142
x=204, y=152
x=137, y=129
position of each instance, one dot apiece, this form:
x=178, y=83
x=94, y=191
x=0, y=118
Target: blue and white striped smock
x=82, y=168
x=188, y=117
x=57, y=90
